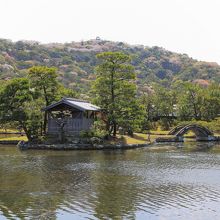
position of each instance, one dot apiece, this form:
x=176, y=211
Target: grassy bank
x=138, y=138
x=14, y=138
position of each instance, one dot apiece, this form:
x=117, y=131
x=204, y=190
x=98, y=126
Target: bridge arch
x=200, y=131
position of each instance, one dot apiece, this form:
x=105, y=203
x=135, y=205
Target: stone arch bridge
x=202, y=133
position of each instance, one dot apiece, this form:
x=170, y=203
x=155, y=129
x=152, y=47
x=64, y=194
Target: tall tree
x=190, y=102
x=147, y=100
x=114, y=89
x=44, y=83
x=210, y=102
x=164, y=101
x=17, y=105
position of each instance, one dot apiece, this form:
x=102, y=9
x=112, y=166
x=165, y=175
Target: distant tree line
x=184, y=101
x=76, y=61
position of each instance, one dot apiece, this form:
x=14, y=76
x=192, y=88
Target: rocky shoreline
x=27, y=146
x=9, y=142
x=181, y=139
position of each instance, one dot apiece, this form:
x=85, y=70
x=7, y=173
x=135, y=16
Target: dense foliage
x=114, y=90
x=184, y=101
x=76, y=61
x=22, y=100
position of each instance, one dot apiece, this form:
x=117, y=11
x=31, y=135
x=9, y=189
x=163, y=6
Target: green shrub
x=93, y=133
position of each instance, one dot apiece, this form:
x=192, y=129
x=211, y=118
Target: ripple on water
x=134, y=184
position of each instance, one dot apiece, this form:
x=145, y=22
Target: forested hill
x=76, y=61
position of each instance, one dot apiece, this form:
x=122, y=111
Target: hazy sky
x=185, y=26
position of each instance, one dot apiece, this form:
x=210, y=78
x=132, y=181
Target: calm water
x=132, y=184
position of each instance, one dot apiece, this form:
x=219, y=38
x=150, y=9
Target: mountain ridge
x=75, y=62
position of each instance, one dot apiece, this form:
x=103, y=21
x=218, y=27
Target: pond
x=181, y=182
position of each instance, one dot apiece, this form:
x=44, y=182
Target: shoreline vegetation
x=138, y=140
x=123, y=117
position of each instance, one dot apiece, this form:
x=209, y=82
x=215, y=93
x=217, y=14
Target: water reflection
x=181, y=183
x=116, y=190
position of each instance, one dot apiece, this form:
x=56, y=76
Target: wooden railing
x=71, y=125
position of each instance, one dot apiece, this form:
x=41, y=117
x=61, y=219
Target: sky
x=184, y=26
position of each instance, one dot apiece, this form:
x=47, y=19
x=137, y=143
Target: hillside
x=76, y=61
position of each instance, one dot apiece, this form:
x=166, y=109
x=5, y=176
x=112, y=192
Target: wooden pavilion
x=70, y=116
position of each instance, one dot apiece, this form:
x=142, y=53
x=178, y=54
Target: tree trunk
x=45, y=123
x=114, y=129
x=26, y=131
x=113, y=102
